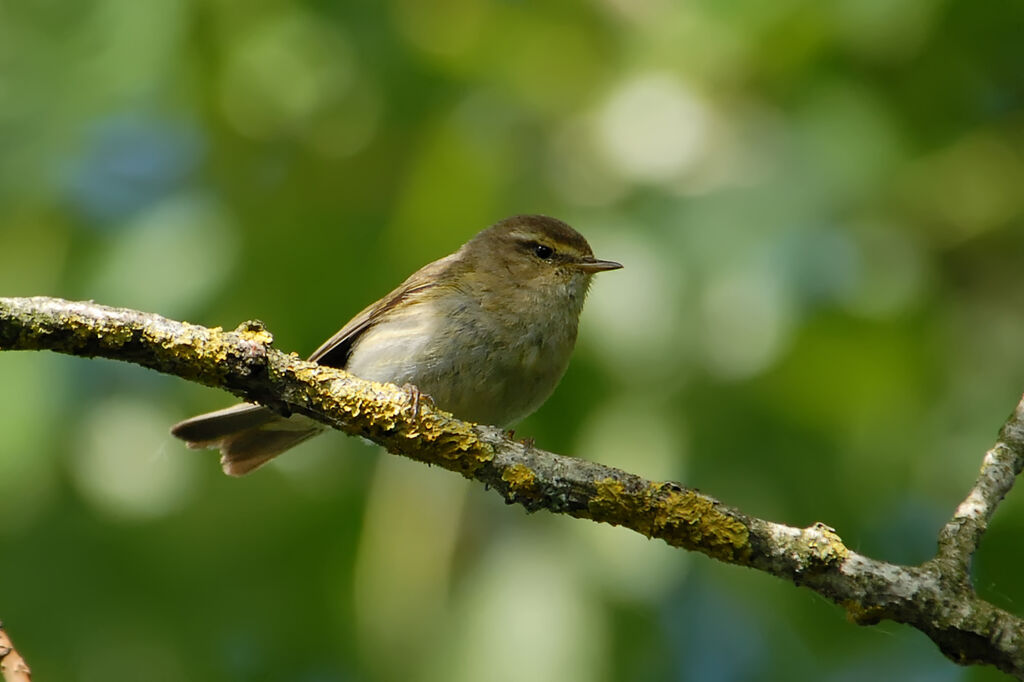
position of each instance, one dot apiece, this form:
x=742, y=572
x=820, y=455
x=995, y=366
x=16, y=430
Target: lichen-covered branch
x=959, y=538
x=936, y=597
x=13, y=667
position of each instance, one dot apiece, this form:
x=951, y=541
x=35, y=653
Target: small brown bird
x=485, y=332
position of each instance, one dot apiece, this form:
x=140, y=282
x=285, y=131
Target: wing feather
x=335, y=351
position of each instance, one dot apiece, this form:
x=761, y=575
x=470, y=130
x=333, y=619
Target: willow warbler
x=485, y=332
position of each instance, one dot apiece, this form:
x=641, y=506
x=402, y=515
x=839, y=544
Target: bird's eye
x=542, y=251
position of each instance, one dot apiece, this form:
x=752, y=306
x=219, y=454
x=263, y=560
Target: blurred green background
x=821, y=211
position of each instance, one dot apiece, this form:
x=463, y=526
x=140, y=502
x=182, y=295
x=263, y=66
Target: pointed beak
x=593, y=265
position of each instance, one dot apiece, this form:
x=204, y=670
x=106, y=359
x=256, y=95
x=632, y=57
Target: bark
x=935, y=597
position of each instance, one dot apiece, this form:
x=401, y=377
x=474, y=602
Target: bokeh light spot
x=633, y=318
x=746, y=320
x=654, y=127
x=124, y=463
x=525, y=616
x=169, y=258
x=280, y=74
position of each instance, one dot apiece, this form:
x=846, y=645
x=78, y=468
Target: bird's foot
x=528, y=442
x=416, y=398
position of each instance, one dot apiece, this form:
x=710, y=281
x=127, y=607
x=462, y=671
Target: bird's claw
x=528, y=442
x=416, y=398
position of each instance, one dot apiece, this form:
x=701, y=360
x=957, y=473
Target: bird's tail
x=247, y=435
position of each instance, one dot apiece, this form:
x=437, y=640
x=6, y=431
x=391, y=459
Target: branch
x=935, y=597
x=959, y=539
x=12, y=665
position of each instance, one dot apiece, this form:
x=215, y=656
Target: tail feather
x=205, y=430
x=247, y=435
x=250, y=449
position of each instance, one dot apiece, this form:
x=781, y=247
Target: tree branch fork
x=936, y=597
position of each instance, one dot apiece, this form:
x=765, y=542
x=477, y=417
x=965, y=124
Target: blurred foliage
x=821, y=318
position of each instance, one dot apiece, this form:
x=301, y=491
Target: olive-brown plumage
x=485, y=332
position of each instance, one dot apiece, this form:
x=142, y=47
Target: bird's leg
x=528, y=442
x=414, y=399
x=416, y=396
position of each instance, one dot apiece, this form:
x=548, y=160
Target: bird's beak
x=593, y=265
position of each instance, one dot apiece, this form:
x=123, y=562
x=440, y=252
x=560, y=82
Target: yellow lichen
x=688, y=518
x=254, y=330
x=386, y=416
x=824, y=545
x=681, y=517
x=521, y=481
x=859, y=614
x=611, y=504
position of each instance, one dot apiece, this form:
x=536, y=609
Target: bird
x=486, y=333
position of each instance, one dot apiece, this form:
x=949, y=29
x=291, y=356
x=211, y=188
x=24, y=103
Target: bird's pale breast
x=481, y=367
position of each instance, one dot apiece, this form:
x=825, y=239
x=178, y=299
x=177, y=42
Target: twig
x=959, y=539
x=935, y=597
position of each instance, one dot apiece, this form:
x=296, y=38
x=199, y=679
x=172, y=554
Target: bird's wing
x=335, y=351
